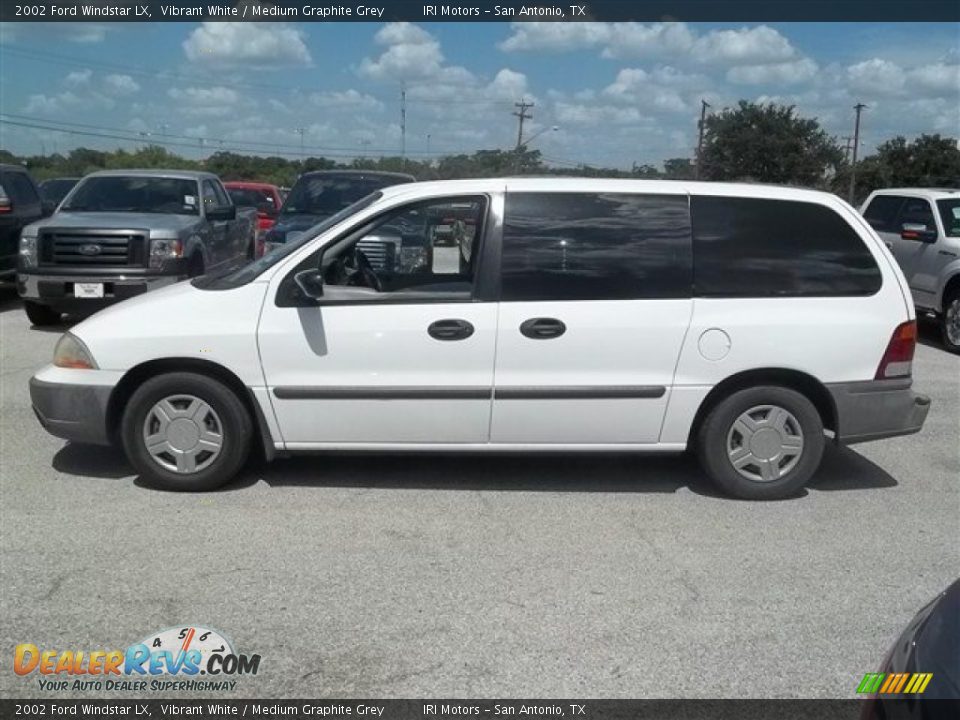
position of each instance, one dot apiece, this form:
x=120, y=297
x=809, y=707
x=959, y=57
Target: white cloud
x=876, y=76
x=77, y=78
x=940, y=78
x=596, y=114
x=76, y=32
x=247, y=44
x=120, y=85
x=788, y=73
x=747, y=45
x=411, y=54
x=352, y=99
x=205, y=101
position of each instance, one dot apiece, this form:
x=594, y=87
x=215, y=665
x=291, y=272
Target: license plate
x=88, y=290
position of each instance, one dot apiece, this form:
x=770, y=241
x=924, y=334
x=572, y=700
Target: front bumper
x=56, y=291
x=877, y=409
x=71, y=411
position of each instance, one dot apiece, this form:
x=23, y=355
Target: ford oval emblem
x=90, y=249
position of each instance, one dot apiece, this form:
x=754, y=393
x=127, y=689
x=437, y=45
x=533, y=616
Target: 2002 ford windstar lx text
x=746, y=322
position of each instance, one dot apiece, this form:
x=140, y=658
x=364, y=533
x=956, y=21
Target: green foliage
x=928, y=161
x=767, y=143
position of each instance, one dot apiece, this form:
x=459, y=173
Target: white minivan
x=749, y=323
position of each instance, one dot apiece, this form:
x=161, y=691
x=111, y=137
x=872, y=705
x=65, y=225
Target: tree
x=767, y=143
x=927, y=161
x=678, y=169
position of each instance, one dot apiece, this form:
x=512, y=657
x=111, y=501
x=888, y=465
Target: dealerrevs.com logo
x=172, y=659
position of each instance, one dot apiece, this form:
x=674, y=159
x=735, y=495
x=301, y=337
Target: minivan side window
x=20, y=189
x=430, y=246
x=595, y=246
x=882, y=212
x=750, y=247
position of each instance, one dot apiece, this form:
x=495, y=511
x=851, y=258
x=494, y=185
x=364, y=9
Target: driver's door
x=410, y=362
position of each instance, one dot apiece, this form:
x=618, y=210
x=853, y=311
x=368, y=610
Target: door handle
x=543, y=328
x=451, y=329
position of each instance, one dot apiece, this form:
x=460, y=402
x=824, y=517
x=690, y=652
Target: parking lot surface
x=468, y=576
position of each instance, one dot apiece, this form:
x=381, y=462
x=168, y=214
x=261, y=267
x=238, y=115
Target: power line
x=73, y=62
x=176, y=143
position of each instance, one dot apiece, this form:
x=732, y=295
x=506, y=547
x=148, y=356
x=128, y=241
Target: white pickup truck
x=120, y=233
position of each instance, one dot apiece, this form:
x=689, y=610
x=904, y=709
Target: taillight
x=5, y=205
x=897, y=360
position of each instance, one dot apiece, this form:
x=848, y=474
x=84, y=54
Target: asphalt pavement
x=479, y=576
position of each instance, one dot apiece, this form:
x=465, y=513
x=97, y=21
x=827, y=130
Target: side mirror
x=918, y=231
x=227, y=212
x=310, y=283
x=47, y=208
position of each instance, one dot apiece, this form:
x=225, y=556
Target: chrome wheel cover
x=183, y=434
x=951, y=321
x=765, y=443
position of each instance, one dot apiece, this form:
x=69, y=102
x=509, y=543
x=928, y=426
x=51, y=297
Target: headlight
x=161, y=250
x=28, y=251
x=72, y=353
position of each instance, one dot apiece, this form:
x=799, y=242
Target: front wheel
x=185, y=431
x=762, y=443
x=950, y=323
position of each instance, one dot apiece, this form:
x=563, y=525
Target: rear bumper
x=877, y=409
x=72, y=412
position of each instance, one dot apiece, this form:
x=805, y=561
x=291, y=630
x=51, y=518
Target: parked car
x=20, y=205
x=572, y=314
x=120, y=233
x=923, y=665
x=318, y=195
x=55, y=189
x=265, y=198
x=921, y=226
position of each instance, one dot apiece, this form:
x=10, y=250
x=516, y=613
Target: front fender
x=947, y=275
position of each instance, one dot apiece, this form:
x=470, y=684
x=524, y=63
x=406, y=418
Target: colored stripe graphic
x=895, y=683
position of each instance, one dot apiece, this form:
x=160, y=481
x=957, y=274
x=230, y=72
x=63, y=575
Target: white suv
x=922, y=229
x=527, y=315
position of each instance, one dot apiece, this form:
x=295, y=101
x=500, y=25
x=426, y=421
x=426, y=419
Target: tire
x=788, y=451
x=41, y=315
x=181, y=397
x=195, y=268
x=950, y=322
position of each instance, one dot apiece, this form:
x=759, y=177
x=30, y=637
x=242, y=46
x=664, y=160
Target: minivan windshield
x=950, y=215
x=328, y=194
x=134, y=193
x=248, y=272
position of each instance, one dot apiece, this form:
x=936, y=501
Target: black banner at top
x=480, y=11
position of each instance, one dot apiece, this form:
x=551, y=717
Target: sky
x=603, y=94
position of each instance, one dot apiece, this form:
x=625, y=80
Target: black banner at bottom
x=855, y=709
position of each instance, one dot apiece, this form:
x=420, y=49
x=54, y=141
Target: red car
x=264, y=197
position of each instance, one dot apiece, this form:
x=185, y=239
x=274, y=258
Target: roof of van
x=610, y=185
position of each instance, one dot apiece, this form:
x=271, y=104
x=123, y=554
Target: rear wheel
x=185, y=431
x=762, y=443
x=41, y=315
x=950, y=322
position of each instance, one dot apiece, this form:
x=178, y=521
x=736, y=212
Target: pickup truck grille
x=81, y=249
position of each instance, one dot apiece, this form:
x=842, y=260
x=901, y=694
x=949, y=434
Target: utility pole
x=703, y=121
x=856, y=142
x=848, y=143
x=523, y=106
x=403, y=126
x=428, y=143
x=300, y=131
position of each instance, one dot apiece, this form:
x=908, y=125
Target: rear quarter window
x=750, y=247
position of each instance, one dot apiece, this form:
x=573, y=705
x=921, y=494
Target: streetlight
x=522, y=147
